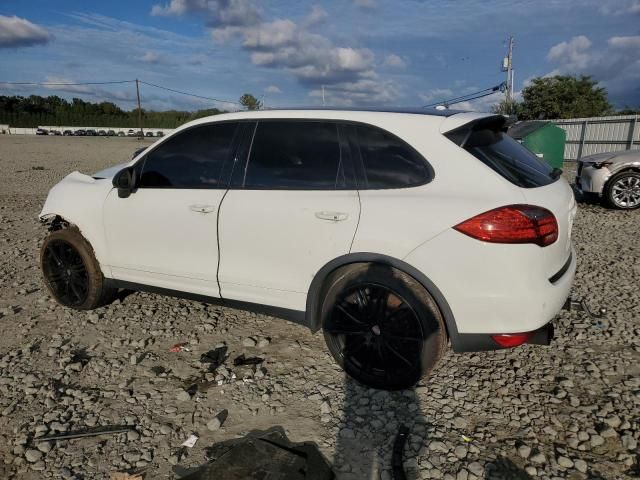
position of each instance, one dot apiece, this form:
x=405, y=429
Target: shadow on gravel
x=505, y=469
x=370, y=423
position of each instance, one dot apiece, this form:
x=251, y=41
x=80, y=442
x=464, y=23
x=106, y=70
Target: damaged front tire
x=71, y=272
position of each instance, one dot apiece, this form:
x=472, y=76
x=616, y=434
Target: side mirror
x=125, y=181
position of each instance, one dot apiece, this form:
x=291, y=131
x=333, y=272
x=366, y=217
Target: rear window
x=506, y=156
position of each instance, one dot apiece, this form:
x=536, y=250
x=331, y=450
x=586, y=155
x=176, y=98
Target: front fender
x=79, y=199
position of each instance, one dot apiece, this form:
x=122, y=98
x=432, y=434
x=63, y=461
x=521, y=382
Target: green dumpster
x=544, y=139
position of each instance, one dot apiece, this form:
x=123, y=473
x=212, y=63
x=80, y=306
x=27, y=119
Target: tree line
x=35, y=110
x=554, y=97
x=562, y=96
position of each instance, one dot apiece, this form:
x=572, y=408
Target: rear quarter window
x=388, y=161
x=505, y=156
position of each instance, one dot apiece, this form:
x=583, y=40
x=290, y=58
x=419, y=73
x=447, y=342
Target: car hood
x=627, y=156
x=109, y=172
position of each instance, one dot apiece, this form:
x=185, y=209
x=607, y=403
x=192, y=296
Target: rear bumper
x=478, y=342
x=492, y=288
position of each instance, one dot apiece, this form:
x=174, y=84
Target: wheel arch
x=314, y=295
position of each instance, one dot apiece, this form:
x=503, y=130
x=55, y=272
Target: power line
x=66, y=83
x=189, y=94
x=470, y=96
x=118, y=82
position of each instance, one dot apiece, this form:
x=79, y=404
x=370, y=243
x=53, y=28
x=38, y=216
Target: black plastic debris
x=87, y=432
x=262, y=455
x=215, y=357
x=398, y=452
x=241, y=360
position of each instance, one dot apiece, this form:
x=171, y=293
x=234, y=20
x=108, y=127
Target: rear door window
x=507, y=157
x=298, y=155
x=388, y=161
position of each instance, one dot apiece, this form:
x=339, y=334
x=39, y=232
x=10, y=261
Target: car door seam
x=353, y=239
x=218, y=242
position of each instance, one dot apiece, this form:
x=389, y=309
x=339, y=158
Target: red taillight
x=508, y=340
x=513, y=224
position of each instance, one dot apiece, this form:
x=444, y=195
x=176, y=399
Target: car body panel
x=160, y=236
x=272, y=242
x=414, y=215
x=78, y=198
x=490, y=288
x=560, y=200
x=592, y=179
x=108, y=173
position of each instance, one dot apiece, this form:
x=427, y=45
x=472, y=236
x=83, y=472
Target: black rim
x=377, y=333
x=65, y=272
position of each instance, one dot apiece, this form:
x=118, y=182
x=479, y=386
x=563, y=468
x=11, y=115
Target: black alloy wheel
x=65, y=273
x=377, y=333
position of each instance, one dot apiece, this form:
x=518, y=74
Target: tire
x=381, y=326
x=622, y=190
x=71, y=272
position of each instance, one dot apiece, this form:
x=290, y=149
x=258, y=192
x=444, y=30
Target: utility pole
x=140, y=132
x=509, y=69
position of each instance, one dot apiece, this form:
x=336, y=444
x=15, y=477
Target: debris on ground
x=216, y=422
x=261, y=455
x=126, y=476
x=190, y=442
x=87, y=432
x=179, y=347
x=241, y=360
x=397, y=454
x=215, y=357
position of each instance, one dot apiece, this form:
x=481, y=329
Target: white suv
x=393, y=231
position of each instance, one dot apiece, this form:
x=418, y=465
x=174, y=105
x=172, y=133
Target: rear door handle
x=332, y=216
x=202, y=208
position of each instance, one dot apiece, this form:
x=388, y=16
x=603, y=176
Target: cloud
x=615, y=65
x=436, y=94
x=394, y=61
x=620, y=7
x=20, y=32
x=272, y=89
x=573, y=54
x=312, y=58
x=220, y=13
x=625, y=42
x=365, y=4
x=361, y=92
x=317, y=16
x=152, y=57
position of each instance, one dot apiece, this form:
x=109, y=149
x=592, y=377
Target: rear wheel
x=382, y=326
x=71, y=272
x=623, y=190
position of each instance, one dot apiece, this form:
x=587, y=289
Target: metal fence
x=586, y=136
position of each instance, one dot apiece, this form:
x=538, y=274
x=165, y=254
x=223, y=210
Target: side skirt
x=295, y=316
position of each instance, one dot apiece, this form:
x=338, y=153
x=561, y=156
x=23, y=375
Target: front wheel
x=381, y=326
x=623, y=190
x=71, y=272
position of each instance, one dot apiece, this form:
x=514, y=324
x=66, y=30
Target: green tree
x=506, y=107
x=250, y=102
x=563, y=97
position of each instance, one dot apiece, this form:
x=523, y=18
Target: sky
x=363, y=52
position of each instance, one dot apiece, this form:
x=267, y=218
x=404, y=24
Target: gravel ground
x=571, y=410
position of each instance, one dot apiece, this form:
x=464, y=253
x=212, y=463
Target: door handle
x=332, y=216
x=202, y=208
